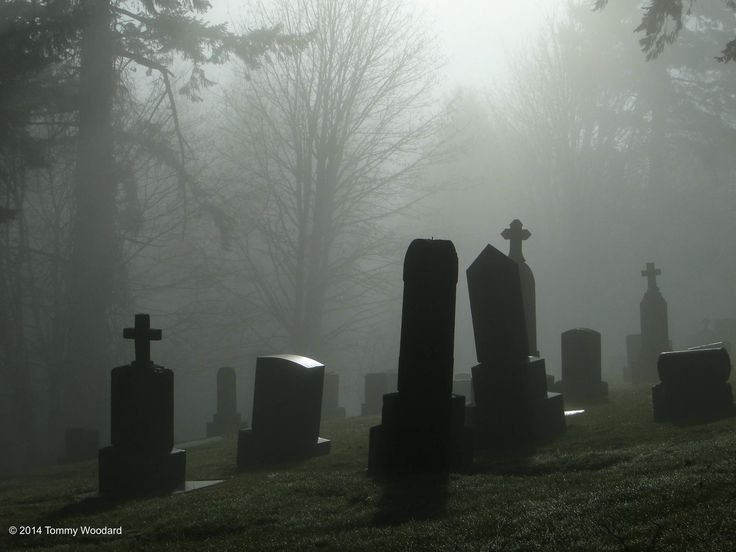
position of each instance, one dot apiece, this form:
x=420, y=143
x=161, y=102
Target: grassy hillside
x=615, y=481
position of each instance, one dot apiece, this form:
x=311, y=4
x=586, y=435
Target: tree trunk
x=95, y=251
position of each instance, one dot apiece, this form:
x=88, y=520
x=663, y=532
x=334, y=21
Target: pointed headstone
x=512, y=405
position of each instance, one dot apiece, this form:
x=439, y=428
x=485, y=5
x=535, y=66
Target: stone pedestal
x=694, y=386
x=407, y=442
x=513, y=407
x=124, y=473
x=287, y=406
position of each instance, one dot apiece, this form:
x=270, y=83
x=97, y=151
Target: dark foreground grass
x=615, y=481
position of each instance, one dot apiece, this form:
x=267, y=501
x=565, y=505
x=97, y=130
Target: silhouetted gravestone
x=142, y=458
x=633, y=356
x=422, y=428
x=512, y=405
x=515, y=233
x=463, y=385
x=581, y=366
x=693, y=386
x=287, y=407
x=331, y=408
x=377, y=384
x=227, y=419
x=654, y=327
x=80, y=443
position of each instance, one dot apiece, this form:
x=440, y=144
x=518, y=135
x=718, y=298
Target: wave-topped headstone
x=512, y=405
x=141, y=458
x=422, y=427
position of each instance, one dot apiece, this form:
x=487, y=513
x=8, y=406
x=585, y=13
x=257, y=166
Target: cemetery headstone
x=693, y=386
x=633, y=356
x=141, y=458
x=512, y=404
x=516, y=234
x=654, y=327
x=227, y=419
x=331, y=408
x=422, y=427
x=377, y=384
x=463, y=385
x=287, y=408
x=581, y=366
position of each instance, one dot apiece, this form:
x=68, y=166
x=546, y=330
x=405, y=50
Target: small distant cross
x=516, y=234
x=143, y=335
x=651, y=273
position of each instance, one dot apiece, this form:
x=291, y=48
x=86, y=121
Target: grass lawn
x=614, y=481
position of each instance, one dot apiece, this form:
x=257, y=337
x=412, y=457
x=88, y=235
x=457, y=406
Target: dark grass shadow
x=84, y=506
x=411, y=497
x=523, y=463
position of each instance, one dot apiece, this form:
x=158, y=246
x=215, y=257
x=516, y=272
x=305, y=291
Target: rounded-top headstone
x=694, y=367
x=581, y=356
x=428, y=320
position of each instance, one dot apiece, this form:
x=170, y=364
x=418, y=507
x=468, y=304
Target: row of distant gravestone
x=581, y=382
x=424, y=425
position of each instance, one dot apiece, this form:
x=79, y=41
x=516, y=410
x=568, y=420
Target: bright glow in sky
x=475, y=36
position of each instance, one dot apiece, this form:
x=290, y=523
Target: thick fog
x=420, y=119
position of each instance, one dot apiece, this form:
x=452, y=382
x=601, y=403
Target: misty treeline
x=269, y=211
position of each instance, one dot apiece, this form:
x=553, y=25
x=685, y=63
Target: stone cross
x=651, y=273
x=142, y=334
x=516, y=234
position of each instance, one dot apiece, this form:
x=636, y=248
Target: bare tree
x=326, y=144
